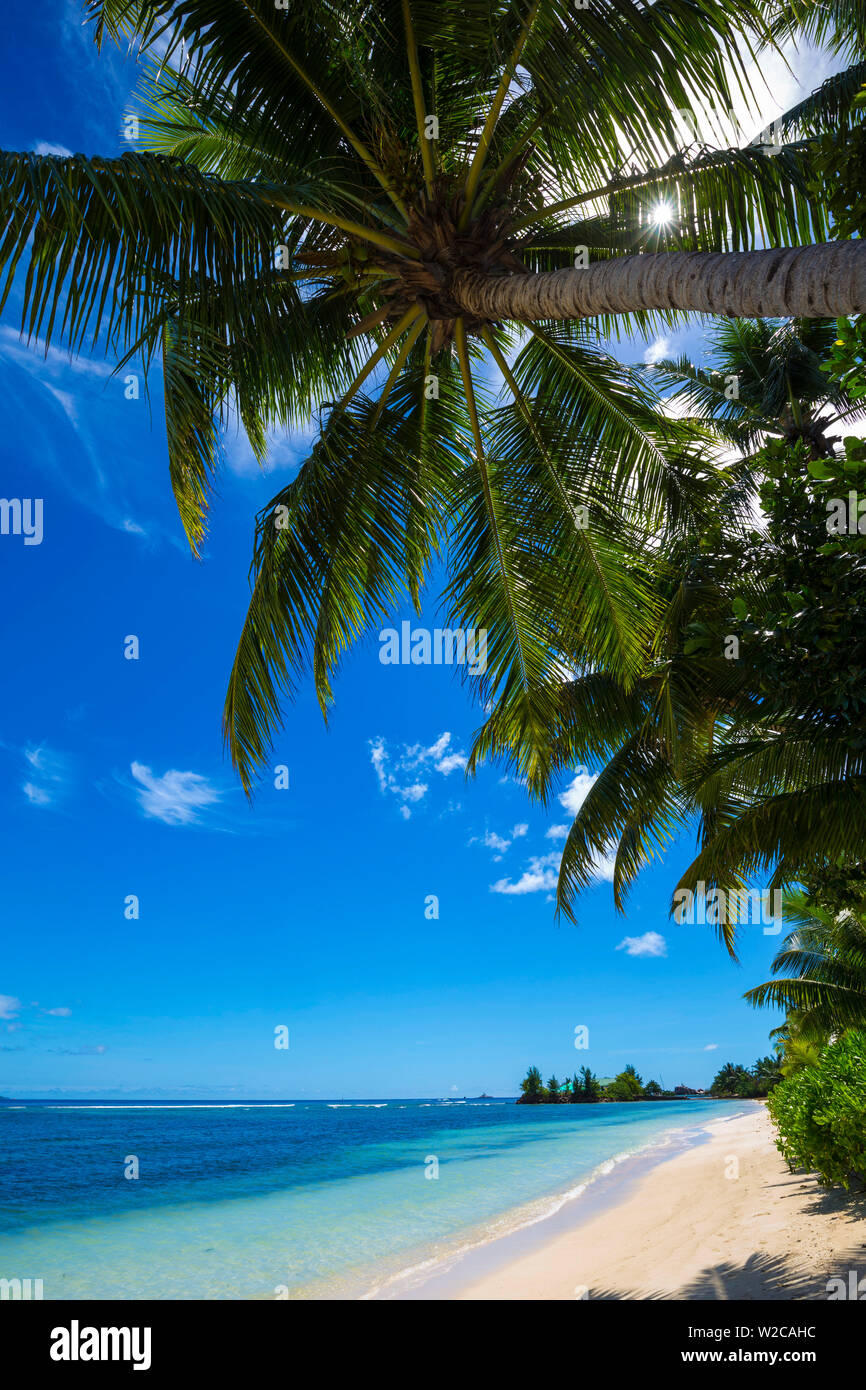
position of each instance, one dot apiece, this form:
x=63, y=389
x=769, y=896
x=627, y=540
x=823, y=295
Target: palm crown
x=819, y=971
x=319, y=188
x=762, y=378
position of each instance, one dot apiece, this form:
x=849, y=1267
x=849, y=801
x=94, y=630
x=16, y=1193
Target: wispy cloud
x=286, y=451
x=399, y=774
x=47, y=776
x=53, y=362
x=500, y=843
x=46, y=147
x=175, y=797
x=650, y=944
x=10, y=1007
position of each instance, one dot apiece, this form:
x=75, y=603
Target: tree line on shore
x=585, y=1088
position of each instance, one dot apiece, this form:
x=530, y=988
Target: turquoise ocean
x=301, y=1199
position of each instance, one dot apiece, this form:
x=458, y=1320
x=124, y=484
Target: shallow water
x=295, y=1200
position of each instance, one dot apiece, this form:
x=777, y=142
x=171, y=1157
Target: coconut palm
x=839, y=25
x=343, y=210
x=762, y=378
x=764, y=753
x=792, y=1049
x=820, y=969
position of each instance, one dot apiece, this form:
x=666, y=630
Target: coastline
x=723, y=1219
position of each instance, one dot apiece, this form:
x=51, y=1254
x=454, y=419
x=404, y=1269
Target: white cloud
x=175, y=797
x=542, y=872
x=539, y=877
x=450, y=762
x=444, y=758
x=658, y=349
x=437, y=749
x=48, y=776
x=711, y=1047
x=415, y=792
x=45, y=147
x=37, y=796
x=650, y=944
x=62, y=1012
x=53, y=361
x=603, y=868
x=10, y=1007
x=574, y=796
x=493, y=841
x=379, y=759
x=556, y=832
x=67, y=402
x=500, y=843
x=397, y=774
x=286, y=451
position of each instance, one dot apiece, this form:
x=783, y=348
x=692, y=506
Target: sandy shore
x=725, y=1220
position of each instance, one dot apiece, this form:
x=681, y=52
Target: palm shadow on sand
x=760, y=1278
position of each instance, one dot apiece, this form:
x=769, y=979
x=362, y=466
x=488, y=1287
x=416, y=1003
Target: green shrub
x=820, y=1112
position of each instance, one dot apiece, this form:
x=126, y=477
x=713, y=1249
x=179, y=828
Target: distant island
x=732, y=1082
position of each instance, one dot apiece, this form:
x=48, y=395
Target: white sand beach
x=724, y=1220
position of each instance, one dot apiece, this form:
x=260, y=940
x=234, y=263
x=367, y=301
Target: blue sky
x=308, y=909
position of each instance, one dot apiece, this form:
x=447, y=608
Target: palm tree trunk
x=801, y=282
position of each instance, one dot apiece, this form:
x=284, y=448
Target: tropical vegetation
x=586, y=1088
x=820, y=969
x=820, y=1113
x=733, y=1081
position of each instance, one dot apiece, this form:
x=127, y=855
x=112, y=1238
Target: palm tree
x=732, y=1080
x=532, y=1088
x=762, y=379
x=766, y=751
x=330, y=201
x=792, y=1049
x=841, y=26
x=767, y=1073
x=820, y=969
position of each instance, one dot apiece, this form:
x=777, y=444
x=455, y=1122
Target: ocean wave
x=359, y=1105
x=193, y=1105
